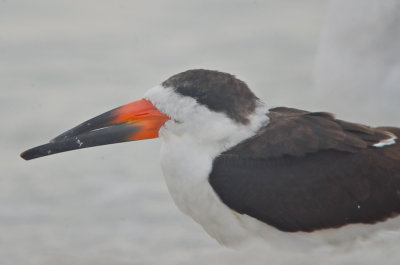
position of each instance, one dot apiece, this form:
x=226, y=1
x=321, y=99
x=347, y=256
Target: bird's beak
x=134, y=121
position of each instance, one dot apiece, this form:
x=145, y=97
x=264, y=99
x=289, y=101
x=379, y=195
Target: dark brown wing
x=308, y=171
x=296, y=133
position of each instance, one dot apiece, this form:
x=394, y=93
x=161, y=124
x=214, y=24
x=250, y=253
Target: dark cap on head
x=220, y=92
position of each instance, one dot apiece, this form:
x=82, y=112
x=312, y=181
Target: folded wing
x=309, y=171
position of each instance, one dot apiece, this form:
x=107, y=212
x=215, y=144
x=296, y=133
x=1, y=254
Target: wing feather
x=308, y=171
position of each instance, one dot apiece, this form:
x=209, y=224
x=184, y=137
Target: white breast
x=186, y=166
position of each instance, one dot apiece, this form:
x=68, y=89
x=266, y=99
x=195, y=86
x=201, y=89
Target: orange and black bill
x=134, y=121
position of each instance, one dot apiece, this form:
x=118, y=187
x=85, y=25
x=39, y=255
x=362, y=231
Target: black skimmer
x=244, y=171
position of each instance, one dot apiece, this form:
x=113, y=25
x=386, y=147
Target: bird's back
x=309, y=171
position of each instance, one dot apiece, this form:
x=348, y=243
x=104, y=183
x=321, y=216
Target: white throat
x=190, y=141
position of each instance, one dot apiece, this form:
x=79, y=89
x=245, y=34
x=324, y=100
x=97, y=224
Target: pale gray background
x=62, y=62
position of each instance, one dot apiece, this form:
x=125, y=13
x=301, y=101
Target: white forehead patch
x=174, y=105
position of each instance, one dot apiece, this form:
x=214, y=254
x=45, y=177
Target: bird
x=245, y=171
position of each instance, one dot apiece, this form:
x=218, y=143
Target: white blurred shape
x=381, y=250
x=358, y=65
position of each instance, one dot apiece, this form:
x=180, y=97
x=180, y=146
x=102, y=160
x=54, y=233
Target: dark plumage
x=309, y=171
x=216, y=90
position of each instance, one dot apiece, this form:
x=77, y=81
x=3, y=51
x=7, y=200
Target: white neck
x=190, y=141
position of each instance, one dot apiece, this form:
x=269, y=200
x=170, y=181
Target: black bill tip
x=45, y=150
x=108, y=135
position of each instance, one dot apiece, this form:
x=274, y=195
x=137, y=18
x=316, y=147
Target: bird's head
x=201, y=104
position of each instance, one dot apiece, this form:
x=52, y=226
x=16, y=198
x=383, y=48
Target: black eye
x=198, y=94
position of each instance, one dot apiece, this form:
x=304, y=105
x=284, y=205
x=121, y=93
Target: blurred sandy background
x=62, y=62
